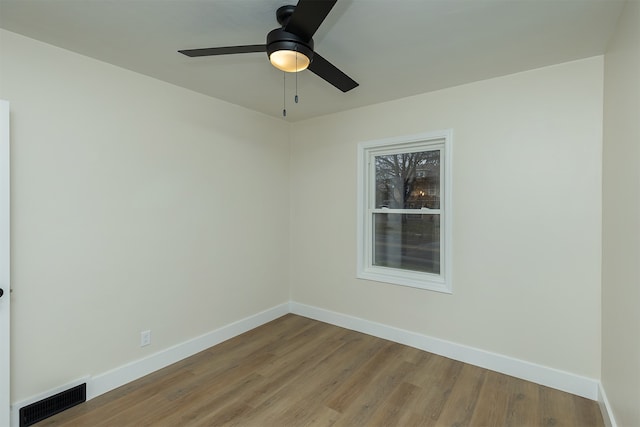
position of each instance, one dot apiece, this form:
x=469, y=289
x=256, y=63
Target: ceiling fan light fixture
x=289, y=52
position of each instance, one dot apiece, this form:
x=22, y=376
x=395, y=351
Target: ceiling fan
x=290, y=48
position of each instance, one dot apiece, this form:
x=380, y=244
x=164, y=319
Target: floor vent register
x=38, y=411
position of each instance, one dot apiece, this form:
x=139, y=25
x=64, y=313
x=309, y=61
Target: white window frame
x=442, y=140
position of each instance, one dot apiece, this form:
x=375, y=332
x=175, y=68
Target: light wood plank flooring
x=296, y=371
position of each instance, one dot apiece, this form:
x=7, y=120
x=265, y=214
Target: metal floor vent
x=38, y=411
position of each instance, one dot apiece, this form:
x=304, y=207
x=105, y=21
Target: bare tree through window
x=408, y=180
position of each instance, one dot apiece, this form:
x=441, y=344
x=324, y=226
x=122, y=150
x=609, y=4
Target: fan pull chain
x=284, y=94
x=296, y=98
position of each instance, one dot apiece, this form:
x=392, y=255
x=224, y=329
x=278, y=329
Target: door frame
x=5, y=301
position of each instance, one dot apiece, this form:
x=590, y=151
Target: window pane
x=410, y=242
x=408, y=180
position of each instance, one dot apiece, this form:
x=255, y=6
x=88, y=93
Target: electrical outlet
x=145, y=338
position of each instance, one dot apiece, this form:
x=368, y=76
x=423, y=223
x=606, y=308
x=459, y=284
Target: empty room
x=319, y=212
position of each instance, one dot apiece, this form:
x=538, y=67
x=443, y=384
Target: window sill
x=417, y=280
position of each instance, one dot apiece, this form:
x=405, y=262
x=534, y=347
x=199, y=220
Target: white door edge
x=5, y=300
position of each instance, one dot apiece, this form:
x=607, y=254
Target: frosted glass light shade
x=289, y=60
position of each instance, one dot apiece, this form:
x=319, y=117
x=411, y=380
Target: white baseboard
x=122, y=375
x=550, y=377
x=605, y=408
x=561, y=380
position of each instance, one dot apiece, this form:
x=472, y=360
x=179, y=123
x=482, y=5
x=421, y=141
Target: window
x=404, y=211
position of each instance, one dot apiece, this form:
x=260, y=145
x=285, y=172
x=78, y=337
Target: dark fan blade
x=307, y=17
x=326, y=70
x=209, y=51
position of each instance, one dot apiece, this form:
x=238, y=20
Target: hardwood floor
x=296, y=371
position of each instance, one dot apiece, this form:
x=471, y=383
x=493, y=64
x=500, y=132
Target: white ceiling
x=393, y=49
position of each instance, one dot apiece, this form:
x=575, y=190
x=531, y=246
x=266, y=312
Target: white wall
x=527, y=215
x=135, y=205
x=621, y=221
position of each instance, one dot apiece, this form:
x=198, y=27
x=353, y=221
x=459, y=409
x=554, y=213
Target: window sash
x=418, y=211
x=402, y=254
x=417, y=147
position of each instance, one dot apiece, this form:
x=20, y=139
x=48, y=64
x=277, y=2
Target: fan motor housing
x=279, y=39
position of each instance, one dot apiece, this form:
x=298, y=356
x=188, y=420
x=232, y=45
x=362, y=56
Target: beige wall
x=527, y=215
x=139, y=205
x=135, y=205
x=621, y=221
